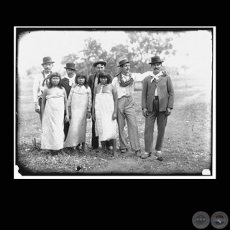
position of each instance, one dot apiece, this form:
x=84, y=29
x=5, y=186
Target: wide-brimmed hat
x=47, y=60
x=155, y=59
x=99, y=62
x=70, y=65
x=122, y=61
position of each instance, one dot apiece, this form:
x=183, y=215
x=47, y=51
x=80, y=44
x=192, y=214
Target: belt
x=156, y=98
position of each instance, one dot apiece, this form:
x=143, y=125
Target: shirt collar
x=71, y=80
x=155, y=76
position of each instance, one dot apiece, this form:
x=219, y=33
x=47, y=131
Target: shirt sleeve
x=36, y=88
x=114, y=82
x=140, y=76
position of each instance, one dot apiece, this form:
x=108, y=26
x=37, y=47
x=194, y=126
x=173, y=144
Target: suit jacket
x=65, y=84
x=165, y=93
x=91, y=81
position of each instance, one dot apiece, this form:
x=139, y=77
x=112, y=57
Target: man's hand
x=66, y=118
x=37, y=108
x=88, y=115
x=168, y=111
x=145, y=112
x=114, y=116
x=93, y=116
x=165, y=72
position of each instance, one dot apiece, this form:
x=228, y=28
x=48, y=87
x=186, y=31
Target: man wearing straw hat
x=124, y=83
x=40, y=82
x=157, y=104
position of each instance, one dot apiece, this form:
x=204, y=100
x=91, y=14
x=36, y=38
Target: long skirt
x=52, y=136
x=105, y=126
x=78, y=121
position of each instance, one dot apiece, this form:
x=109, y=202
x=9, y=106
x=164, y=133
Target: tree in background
x=142, y=46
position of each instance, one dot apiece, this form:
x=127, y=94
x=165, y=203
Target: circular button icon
x=219, y=220
x=201, y=220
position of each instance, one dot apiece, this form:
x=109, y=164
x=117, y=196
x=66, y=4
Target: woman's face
x=103, y=80
x=55, y=80
x=81, y=80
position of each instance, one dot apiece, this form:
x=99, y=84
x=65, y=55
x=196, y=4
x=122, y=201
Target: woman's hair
x=82, y=75
x=103, y=74
x=54, y=74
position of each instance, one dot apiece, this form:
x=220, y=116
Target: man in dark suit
x=157, y=104
x=67, y=82
x=92, y=82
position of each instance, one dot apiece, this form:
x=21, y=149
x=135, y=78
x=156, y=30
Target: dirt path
x=187, y=145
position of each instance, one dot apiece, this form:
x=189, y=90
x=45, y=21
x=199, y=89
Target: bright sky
x=194, y=48
x=57, y=44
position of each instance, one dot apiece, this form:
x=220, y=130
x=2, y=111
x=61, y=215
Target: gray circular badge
x=200, y=220
x=219, y=220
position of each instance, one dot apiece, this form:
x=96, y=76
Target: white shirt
x=128, y=90
x=156, y=77
x=71, y=79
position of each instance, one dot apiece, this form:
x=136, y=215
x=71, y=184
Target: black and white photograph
x=118, y=102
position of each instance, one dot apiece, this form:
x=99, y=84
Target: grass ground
x=187, y=146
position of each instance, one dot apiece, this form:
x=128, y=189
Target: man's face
x=156, y=67
x=100, y=67
x=126, y=68
x=47, y=67
x=70, y=72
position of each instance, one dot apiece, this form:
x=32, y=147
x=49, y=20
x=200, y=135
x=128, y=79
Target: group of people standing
x=65, y=104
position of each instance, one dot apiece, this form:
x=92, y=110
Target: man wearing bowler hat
x=40, y=82
x=67, y=82
x=157, y=104
x=124, y=83
x=92, y=82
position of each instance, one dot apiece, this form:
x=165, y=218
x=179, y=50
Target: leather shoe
x=145, y=155
x=123, y=150
x=138, y=153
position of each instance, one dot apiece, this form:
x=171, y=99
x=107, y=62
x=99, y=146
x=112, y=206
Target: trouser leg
x=132, y=124
x=95, y=142
x=149, y=129
x=121, y=122
x=161, y=124
x=40, y=113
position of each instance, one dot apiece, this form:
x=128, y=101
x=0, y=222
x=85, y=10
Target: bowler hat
x=123, y=61
x=155, y=59
x=47, y=60
x=99, y=62
x=70, y=65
